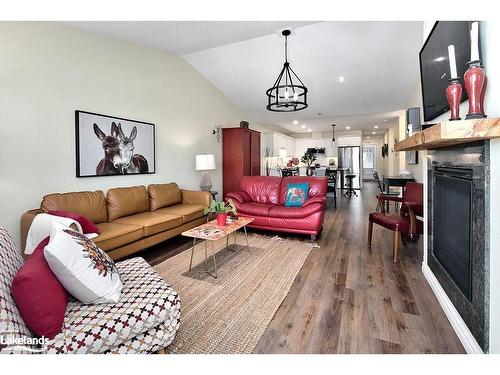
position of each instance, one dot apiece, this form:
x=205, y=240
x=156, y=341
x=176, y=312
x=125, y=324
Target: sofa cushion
x=88, y=203
x=317, y=186
x=152, y=222
x=163, y=195
x=84, y=270
x=147, y=301
x=127, y=201
x=261, y=189
x=114, y=235
x=252, y=208
x=188, y=212
x=295, y=212
x=39, y=296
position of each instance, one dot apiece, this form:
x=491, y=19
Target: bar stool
x=350, y=191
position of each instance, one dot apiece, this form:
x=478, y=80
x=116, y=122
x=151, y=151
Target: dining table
x=395, y=181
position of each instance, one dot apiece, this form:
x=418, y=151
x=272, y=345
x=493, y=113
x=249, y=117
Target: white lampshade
x=205, y=162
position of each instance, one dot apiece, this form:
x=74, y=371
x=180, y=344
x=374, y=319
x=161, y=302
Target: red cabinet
x=240, y=157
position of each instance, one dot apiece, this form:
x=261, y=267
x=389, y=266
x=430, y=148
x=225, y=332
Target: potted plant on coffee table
x=309, y=158
x=221, y=210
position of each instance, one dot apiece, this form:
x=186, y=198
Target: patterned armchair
x=145, y=319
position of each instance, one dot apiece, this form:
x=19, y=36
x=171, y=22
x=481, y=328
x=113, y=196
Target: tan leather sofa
x=130, y=218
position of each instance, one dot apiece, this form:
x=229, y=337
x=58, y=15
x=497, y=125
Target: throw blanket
x=40, y=229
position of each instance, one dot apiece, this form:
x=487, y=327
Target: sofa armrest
x=196, y=197
x=240, y=196
x=313, y=200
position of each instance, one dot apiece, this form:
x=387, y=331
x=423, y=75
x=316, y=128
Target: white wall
x=489, y=33
x=47, y=71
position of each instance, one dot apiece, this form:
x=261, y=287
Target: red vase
x=454, y=96
x=221, y=219
x=475, y=85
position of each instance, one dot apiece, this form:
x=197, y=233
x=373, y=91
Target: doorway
x=369, y=161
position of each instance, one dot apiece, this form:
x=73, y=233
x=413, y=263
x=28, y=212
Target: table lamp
x=205, y=163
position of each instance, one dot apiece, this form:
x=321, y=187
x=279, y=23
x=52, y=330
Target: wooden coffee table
x=212, y=232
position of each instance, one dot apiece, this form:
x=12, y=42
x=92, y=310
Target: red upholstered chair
x=404, y=225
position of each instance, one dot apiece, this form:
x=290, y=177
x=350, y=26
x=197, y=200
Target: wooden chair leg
x=395, y=246
x=403, y=239
x=370, y=231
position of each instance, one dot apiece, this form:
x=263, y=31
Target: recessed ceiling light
x=347, y=127
x=341, y=78
x=376, y=126
x=367, y=137
x=295, y=122
x=303, y=126
x=373, y=132
x=309, y=130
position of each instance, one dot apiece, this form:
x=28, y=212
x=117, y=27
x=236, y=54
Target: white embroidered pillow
x=86, y=271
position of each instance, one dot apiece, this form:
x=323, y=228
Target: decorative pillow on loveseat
x=86, y=271
x=39, y=296
x=296, y=194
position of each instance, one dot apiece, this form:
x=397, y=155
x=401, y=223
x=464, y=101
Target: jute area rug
x=230, y=313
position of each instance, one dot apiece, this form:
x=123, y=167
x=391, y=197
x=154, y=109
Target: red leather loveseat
x=263, y=198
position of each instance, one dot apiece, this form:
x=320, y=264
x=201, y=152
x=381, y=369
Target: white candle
x=453, y=62
x=287, y=95
x=474, y=41
x=296, y=96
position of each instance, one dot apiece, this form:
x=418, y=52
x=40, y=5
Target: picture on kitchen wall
x=108, y=145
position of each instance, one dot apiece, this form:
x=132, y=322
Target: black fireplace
x=458, y=243
x=452, y=218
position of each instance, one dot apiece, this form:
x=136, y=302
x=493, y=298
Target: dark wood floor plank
x=351, y=299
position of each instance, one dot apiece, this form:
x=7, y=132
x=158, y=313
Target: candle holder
x=475, y=85
x=454, y=96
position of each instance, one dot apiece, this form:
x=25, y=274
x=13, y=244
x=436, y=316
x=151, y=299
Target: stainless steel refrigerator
x=350, y=157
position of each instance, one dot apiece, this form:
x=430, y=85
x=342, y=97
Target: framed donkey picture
x=109, y=145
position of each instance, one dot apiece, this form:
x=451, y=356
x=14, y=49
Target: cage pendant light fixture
x=288, y=93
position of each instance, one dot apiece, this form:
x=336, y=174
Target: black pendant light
x=288, y=93
x=333, y=134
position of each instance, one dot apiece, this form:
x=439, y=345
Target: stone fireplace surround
x=475, y=313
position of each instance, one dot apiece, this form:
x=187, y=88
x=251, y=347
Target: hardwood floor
x=349, y=299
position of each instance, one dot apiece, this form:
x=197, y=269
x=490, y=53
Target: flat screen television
x=435, y=65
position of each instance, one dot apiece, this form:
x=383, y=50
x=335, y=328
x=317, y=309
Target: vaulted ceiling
x=377, y=60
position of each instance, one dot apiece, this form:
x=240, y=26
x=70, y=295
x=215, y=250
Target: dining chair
x=393, y=196
x=331, y=175
x=404, y=225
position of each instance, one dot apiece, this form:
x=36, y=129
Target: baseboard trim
x=465, y=336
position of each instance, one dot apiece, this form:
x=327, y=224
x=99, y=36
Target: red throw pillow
x=39, y=296
x=87, y=225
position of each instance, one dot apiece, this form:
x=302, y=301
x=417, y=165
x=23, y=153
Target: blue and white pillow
x=296, y=194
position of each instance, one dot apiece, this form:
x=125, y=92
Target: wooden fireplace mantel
x=449, y=133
